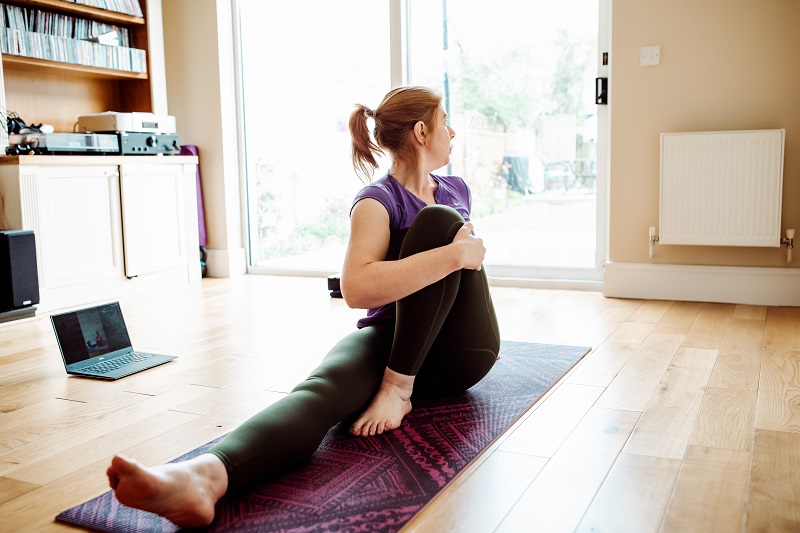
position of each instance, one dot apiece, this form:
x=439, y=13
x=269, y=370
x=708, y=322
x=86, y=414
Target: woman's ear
x=420, y=132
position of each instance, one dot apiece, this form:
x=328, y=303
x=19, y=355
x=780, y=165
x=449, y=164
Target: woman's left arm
x=368, y=280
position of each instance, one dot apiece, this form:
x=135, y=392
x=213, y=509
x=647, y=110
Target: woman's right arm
x=368, y=280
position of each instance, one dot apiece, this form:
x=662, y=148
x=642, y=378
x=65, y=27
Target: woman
x=431, y=328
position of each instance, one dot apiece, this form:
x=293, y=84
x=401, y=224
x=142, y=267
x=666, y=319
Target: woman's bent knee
x=434, y=226
x=438, y=214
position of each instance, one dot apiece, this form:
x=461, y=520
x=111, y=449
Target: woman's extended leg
x=278, y=438
x=287, y=433
x=421, y=317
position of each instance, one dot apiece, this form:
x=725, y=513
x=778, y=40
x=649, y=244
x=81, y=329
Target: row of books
x=129, y=7
x=59, y=25
x=54, y=48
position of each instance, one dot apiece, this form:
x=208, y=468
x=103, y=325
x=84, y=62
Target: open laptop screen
x=91, y=332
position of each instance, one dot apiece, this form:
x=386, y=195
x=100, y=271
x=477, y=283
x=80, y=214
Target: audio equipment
x=135, y=143
x=116, y=121
x=113, y=143
x=19, y=275
x=62, y=144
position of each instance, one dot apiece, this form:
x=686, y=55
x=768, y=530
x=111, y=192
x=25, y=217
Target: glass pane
x=304, y=66
x=518, y=79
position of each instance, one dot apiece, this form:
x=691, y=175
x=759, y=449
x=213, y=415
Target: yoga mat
x=376, y=483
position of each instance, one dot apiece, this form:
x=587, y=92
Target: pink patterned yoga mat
x=372, y=484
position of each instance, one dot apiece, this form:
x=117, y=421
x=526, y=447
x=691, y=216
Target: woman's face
x=442, y=136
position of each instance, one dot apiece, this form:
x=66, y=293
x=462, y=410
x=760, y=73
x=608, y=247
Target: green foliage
x=503, y=88
x=333, y=222
x=565, y=87
x=498, y=89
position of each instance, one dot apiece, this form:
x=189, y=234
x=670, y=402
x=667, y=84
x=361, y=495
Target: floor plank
x=679, y=318
x=37, y=509
x=710, y=492
x=778, y=405
x=783, y=327
x=500, y=481
x=633, y=497
x=710, y=326
x=89, y=431
x=13, y=488
x=65, y=461
x=666, y=425
x=603, y=325
x=636, y=382
x=739, y=361
x=750, y=312
x=551, y=423
x=558, y=331
x=606, y=361
x=557, y=498
x=651, y=311
x=774, y=483
x=53, y=416
x=725, y=420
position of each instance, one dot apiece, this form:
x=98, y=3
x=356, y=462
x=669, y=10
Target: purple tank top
x=403, y=207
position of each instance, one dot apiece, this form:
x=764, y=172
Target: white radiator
x=721, y=188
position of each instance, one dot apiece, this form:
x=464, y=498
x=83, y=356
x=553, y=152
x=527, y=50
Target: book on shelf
x=128, y=7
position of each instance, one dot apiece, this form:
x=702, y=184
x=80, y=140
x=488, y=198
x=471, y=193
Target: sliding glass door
x=518, y=80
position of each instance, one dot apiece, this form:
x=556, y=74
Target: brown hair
x=395, y=118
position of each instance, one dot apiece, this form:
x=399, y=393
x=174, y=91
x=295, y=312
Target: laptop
x=94, y=342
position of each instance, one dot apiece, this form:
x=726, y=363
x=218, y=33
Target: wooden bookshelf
x=54, y=92
x=32, y=64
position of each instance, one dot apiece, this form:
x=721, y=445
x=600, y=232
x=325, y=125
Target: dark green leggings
x=446, y=334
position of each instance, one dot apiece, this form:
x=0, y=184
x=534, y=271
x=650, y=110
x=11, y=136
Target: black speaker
x=19, y=276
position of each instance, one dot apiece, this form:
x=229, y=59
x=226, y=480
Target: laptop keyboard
x=104, y=367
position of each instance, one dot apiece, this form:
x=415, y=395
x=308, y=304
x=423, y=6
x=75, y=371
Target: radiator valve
x=789, y=242
x=653, y=240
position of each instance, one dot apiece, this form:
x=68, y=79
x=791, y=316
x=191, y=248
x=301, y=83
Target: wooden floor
x=684, y=417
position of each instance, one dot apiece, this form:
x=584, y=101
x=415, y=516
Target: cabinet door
x=78, y=212
x=153, y=217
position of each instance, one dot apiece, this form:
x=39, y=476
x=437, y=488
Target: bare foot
x=184, y=493
x=388, y=407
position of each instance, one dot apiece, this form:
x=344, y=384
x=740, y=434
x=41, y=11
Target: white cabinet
x=105, y=226
x=75, y=215
x=154, y=218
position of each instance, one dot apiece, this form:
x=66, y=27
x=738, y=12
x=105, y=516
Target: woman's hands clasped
x=469, y=247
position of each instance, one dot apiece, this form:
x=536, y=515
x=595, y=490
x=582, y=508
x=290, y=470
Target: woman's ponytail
x=364, y=148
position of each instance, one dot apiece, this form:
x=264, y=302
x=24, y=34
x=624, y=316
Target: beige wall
x=725, y=65
x=198, y=45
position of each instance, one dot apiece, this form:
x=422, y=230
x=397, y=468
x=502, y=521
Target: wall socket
x=650, y=56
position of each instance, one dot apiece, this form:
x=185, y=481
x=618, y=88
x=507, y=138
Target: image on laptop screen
x=91, y=332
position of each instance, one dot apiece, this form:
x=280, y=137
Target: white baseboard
x=554, y=284
x=721, y=284
x=226, y=263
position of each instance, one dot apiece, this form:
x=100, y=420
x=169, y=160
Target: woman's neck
x=415, y=180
